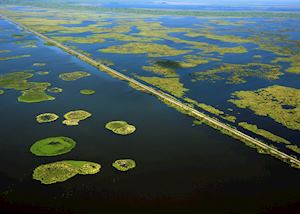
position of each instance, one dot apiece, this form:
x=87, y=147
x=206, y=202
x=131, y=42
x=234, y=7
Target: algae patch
x=124, y=164
x=53, y=146
x=120, y=127
x=63, y=170
x=71, y=76
x=46, y=117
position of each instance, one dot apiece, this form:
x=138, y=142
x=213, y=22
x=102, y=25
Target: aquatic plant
x=264, y=133
x=238, y=72
x=53, y=146
x=73, y=75
x=87, y=91
x=158, y=69
x=14, y=57
x=152, y=49
x=39, y=64
x=294, y=148
x=55, y=90
x=63, y=170
x=124, y=164
x=42, y=72
x=280, y=103
x=73, y=118
x=1, y=92
x=120, y=127
x=36, y=93
x=171, y=85
x=46, y=117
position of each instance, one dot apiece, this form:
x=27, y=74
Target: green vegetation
x=53, y=146
x=152, y=49
x=14, y=57
x=42, y=72
x=192, y=61
x=39, y=64
x=31, y=91
x=120, y=127
x=280, y=103
x=5, y=51
x=46, y=117
x=36, y=93
x=238, y=72
x=1, y=92
x=171, y=85
x=71, y=76
x=73, y=118
x=87, y=91
x=294, y=60
x=64, y=170
x=124, y=164
x=55, y=90
x=264, y=133
x=294, y=148
x=160, y=70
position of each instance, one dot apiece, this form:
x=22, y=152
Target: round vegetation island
x=120, y=127
x=55, y=90
x=87, y=91
x=63, y=170
x=1, y=92
x=124, y=164
x=72, y=118
x=46, y=117
x=53, y=146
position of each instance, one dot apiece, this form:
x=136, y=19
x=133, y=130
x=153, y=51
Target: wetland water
x=179, y=166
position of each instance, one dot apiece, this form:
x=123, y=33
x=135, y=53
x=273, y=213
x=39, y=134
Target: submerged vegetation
x=71, y=76
x=46, y=117
x=63, y=170
x=124, y=164
x=280, y=103
x=53, y=146
x=120, y=127
x=73, y=118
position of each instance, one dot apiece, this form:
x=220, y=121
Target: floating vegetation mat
x=71, y=76
x=46, y=117
x=120, y=127
x=53, y=146
x=87, y=91
x=1, y=92
x=124, y=164
x=64, y=170
x=72, y=118
x=280, y=103
x=55, y=90
x=14, y=57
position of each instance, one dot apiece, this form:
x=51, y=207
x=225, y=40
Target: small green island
x=120, y=127
x=46, y=117
x=124, y=164
x=52, y=146
x=73, y=118
x=71, y=76
x=87, y=91
x=63, y=170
